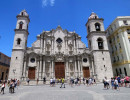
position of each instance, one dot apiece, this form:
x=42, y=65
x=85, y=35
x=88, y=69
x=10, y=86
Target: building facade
x=59, y=53
x=118, y=36
x=4, y=66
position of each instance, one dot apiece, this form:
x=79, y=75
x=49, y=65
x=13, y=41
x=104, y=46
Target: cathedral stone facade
x=59, y=53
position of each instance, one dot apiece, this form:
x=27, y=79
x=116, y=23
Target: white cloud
x=46, y=2
x=52, y=2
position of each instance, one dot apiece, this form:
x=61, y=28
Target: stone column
x=52, y=46
x=41, y=44
x=75, y=68
x=52, y=70
x=43, y=70
x=81, y=67
x=78, y=68
x=24, y=68
x=44, y=45
x=93, y=71
x=67, y=71
x=74, y=45
x=40, y=69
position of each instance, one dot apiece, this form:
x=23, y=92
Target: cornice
x=94, y=20
x=23, y=16
x=119, y=30
x=21, y=30
x=96, y=33
x=121, y=63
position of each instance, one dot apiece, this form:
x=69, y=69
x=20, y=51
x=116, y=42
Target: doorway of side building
x=86, y=72
x=31, y=73
x=59, y=70
x=2, y=76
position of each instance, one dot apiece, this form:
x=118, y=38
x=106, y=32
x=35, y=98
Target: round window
x=32, y=60
x=85, y=60
x=59, y=40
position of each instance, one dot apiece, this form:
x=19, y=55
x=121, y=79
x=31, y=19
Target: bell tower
x=19, y=45
x=98, y=47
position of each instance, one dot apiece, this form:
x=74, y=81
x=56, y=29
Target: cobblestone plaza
x=45, y=92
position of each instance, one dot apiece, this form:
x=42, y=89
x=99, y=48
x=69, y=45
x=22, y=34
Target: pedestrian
x=83, y=80
x=112, y=83
x=87, y=81
x=94, y=81
x=119, y=80
x=116, y=84
x=44, y=80
x=2, y=87
x=28, y=80
x=62, y=82
x=15, y=83
x=51, y=82
x=18, y=83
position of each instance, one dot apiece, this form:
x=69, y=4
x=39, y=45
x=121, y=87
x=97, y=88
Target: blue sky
x=48, y=14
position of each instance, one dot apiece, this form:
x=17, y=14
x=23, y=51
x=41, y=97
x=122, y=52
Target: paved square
x=45, y=92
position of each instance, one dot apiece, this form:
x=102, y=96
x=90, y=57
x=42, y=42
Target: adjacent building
x=118, y=36
x=4, y=66
x=60, y=53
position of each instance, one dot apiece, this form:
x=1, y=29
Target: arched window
x=97, y=27
x=125, y=71
x=88, y=29
x=100, y=43
x=21, y=25
x=18, y=41
x=117, y=72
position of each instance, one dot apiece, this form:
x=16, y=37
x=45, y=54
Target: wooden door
x=31, y=73
x=59, y=70
x=86, y=72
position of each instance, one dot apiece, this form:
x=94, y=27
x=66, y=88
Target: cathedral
x=59, y=53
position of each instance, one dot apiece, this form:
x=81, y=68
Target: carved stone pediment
x=59, y=57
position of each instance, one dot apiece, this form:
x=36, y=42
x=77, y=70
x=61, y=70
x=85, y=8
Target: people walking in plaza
x=94, y=80
x=83, y=80
x=106, y=83
x=11, y=87
x=28, y=80
x=112, y=83
x=51, y=82
x=18, y=83
x=44, y=80
x=62, y=82
x=119, y=80
x=87, y=81
x=2, y=87
x=116, y=84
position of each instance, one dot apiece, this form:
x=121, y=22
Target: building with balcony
x=118, y=36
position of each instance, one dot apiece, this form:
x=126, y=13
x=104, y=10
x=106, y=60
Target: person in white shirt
x=116, y=84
